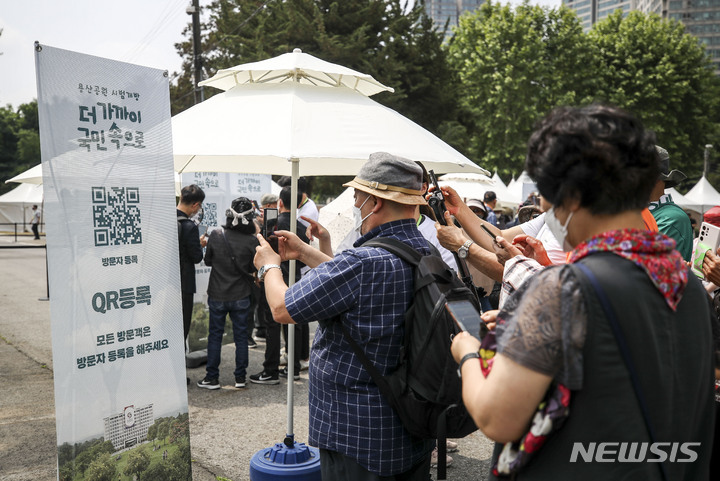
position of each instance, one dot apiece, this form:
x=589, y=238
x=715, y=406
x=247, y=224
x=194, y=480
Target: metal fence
x=13, y=229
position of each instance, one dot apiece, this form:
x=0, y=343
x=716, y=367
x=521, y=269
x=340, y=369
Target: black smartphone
x=270, y=217
x=467, y=317
x=489, y=232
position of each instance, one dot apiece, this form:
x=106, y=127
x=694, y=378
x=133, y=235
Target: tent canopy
x=16, y=205
x=703, y=194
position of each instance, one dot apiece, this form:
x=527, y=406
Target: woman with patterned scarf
x=604, y=367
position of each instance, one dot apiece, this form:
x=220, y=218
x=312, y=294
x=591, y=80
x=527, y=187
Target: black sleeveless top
x=673, y=355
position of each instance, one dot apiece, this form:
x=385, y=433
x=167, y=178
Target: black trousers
x=336, y=466
x=34, y=228
x=187, y=307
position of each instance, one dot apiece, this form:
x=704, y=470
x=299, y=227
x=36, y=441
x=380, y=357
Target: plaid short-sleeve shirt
x=369, y=290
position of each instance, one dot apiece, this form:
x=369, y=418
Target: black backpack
x=425, y=390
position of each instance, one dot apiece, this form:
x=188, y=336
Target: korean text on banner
x=115, y=305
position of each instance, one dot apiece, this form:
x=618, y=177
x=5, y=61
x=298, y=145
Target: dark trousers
x=299, y=334
x=336, y=466
x=187, y=307
x=272, y=336
x=34, y=228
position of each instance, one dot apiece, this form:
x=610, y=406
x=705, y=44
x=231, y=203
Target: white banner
x=113, y=266
x=220, y=188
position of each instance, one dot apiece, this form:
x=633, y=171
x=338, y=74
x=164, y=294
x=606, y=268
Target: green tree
x=101, y=468
x=152, y=432
x=19, y=141
x=400, y=49
x=515, y=65
x=138, y=461
x=651, y=67
x=179, y=462
x=163, y=430
x=157, y=472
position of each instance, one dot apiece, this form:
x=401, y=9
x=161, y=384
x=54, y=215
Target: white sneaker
x=304, y=365
x=451, y=446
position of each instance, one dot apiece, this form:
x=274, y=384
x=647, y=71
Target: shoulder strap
x=375, y=374
x=624, y=351
x=399, y=248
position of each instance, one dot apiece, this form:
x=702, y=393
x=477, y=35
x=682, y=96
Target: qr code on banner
x=209, y=214
x=116, y=215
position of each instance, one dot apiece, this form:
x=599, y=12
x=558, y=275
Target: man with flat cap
x=368, y=290
x=671, y=219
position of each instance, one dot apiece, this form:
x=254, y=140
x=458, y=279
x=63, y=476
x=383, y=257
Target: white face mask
x=557, y=229
x=357, y=215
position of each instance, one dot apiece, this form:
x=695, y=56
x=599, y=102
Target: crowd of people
x=603, y=348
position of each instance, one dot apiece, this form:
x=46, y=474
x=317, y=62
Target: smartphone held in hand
x=467, y=317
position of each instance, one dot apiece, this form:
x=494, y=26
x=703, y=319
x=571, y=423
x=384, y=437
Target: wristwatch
x=470, y=355
x=465, y=249
x=263, y=270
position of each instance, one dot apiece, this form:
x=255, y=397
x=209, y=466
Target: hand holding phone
x=467, y=317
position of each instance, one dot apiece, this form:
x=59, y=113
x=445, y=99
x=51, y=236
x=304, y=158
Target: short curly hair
x=599, y=154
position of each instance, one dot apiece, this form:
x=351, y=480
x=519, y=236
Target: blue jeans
x=239, y=314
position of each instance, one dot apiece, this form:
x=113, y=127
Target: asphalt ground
x=227, y=426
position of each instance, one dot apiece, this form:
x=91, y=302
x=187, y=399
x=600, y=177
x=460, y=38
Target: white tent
x=522, y=187
x=473, y=186
x=703, y=194
x=30, y=176
x=498, y=180
x=337, y=217
x=16, y=206
x=683, y=201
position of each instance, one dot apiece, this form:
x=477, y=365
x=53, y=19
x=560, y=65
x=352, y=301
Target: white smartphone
x=709, y=239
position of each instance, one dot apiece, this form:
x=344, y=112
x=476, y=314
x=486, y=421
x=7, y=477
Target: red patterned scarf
x=653, y=252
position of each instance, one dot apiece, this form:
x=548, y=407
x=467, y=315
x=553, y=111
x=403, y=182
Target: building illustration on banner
x=130, y=427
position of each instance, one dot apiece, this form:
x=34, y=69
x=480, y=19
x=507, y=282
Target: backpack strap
x=624, y=352
x=399, y=248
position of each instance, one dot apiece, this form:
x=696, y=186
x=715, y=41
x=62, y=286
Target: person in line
x=271, y=372
x=263, y=317
x=190, y=245
x=307, y=212
x=368, y=290
x=490, y=201
x=35, y=222
x=306, y=206
x=671, y=219
x=596, y=166
x=230, y=252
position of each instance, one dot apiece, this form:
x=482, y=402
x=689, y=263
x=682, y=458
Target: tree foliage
x=102, y=468
x=138, y=461
x=514, y=65
x=399, y=46
x=19, y=141
x=653, y=68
